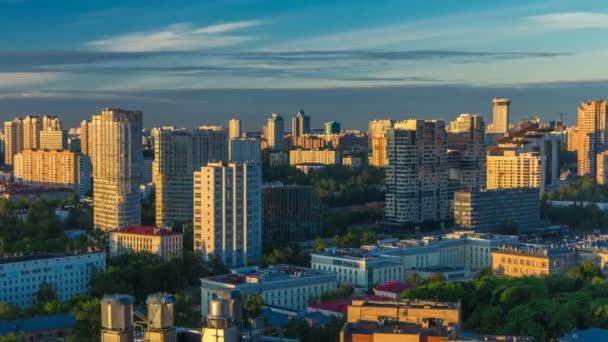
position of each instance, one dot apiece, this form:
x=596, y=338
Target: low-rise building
x=325, y=157
x=68, y=273
x=359, y=268
x=492, y=210
x=43, y=328
x=528, y=260
x=352, y=161
x=284, y=286
x=142, y=239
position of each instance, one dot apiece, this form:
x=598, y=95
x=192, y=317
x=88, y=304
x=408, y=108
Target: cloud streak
x=569, y=21
x=179, y=37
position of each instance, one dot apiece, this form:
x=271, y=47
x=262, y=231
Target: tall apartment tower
x=508, y=169
x=591, y=135
x=300, y=124
x=234, y=129
x=172, y=170
x=602, y=168
x=378, y=141
x=227, y=212
x=467, y=152
x=85, y=137
x=32, y=125
x=52, y=123
x=13, y=140
x=500, y=115
x=116, y=158
x=275, y=132
x=210, y=144
x=417, y=175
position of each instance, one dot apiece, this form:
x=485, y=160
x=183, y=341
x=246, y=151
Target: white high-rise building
x=32, y=125
x=500, y=115
x=13, y=139
x=234, y=129
x=116, y=157
x=227, y=212
x=275, y=132
x=245, y=151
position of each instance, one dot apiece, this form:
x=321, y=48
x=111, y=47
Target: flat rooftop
x=369, y=328
x=270, y=274
x=10, y=259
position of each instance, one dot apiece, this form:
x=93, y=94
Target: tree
x=414, y=279
x=87, y=312
x=252, y=305
x=435, y=277
x=185, y=315
x=46, y=293
x=9, y=311
x=320, y=245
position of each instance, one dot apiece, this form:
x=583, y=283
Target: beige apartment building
x=602, y=168
x=53, y=140
x=47, y=167
x=117, y=163
x=142, y=239
x=507, y=169
x=325, y=157
x=591, y=135
x=13, y=139
x=234, y=129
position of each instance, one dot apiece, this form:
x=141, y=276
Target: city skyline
x=200, y=62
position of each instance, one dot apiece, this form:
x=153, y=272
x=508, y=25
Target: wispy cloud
x=569, y=21
x=179, y=37
x=16, y=79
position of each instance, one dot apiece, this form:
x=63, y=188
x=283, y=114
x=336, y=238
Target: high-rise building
x=500, y=115
x=116, y=157
x=332, y=127
x=275, y=132
x=85, y=137
x=378, y=141
x=493, y=210
x=210, y=143
x=52, y=123
x=234, y=129
x=32, y=125
x=53, y=140
x=84, y=175
x=416, y=175
x=227, y=212
x=290, y=213
x=13, y=139
x=300, y=124
x=508, y=169
x=467, y=152
x=245, y=151
x=172, y=175
x=591, y=135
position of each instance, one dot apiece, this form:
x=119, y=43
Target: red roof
x=147, y=230
x=333, y=305
x=393, y=287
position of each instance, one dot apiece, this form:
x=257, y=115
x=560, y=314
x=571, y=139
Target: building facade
x=234, y=129
x=284, y=286
x=325, y=157
x=245, y=151
x=165, y=243
x=528, y=261
x=46, y=167
x=331, y=127
x=68, y=273
x=602, y=168
x=416, y=176
x=116, y=158
x=508, y=169
x=466, y=151
x=493, y=210
x=275, y=132
x=227, y=212
x=500, y=115
x=378, y=142
x=300, y=124
x=290, y=213
x=53, y=140
x=591, y=135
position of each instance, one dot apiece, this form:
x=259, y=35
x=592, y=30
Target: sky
x=193, y=62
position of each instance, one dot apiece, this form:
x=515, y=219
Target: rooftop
x=535, y=250
x=37, y=324
x=270, y=274
x=9, y=259
x=393, y=287
x=370, y=328
x=147, y=230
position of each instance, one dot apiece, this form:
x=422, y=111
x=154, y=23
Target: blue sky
x=208, y=60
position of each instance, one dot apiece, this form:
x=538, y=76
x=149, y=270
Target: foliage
x=46, y=292
x=337, y=293
x=583, y=189
x=337, y=222
x=543, y=307
x=185, y=314
x=576, y=216
x=252, y=305
x=291, y=255
x=32, y=226
x=303, y=331
x=319, y=246
x=355, y=239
